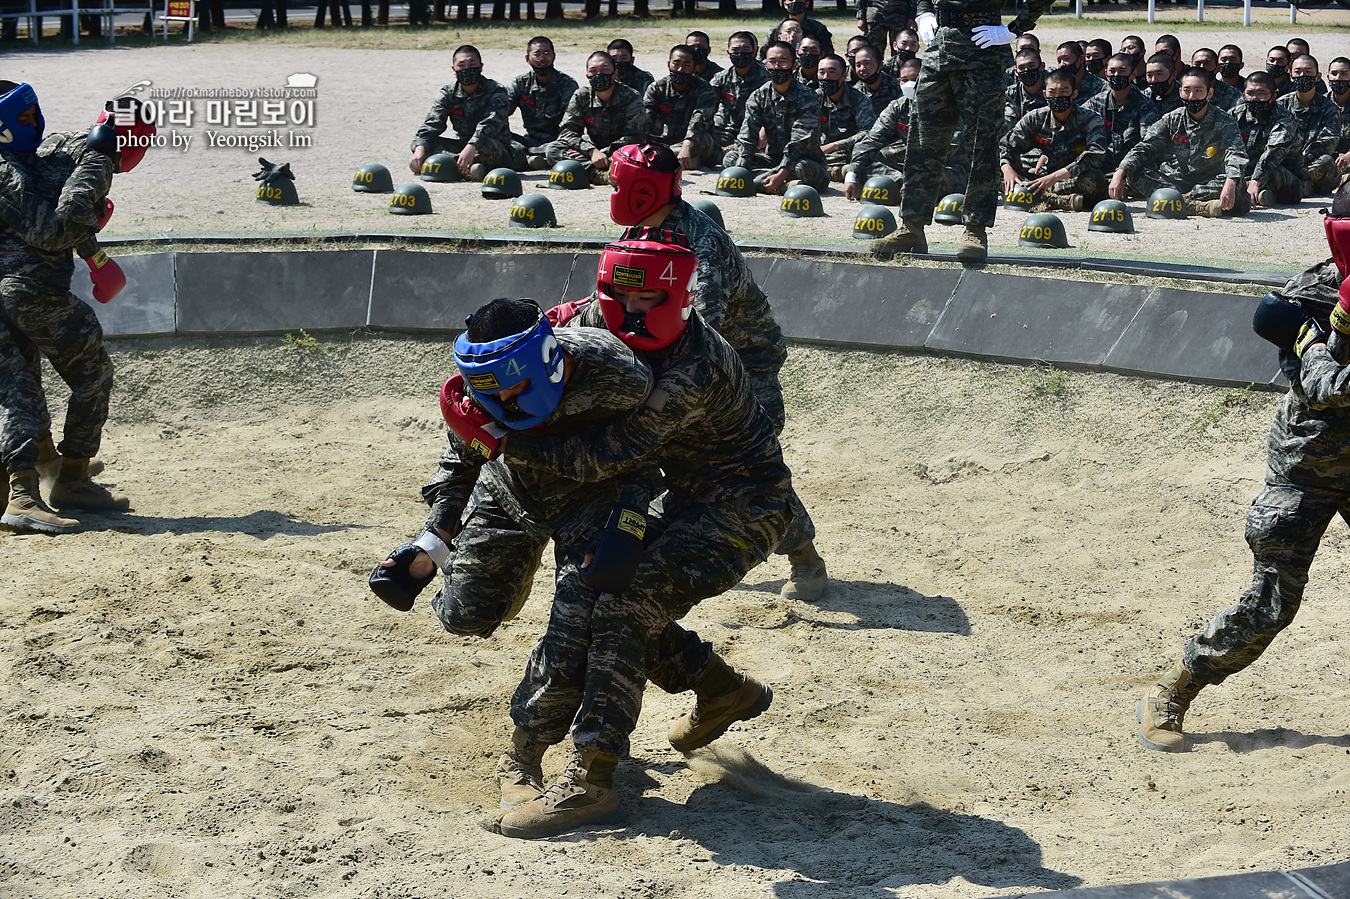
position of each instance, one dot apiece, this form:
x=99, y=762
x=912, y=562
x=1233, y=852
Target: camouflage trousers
x=1287, y=185
x=704, y=147
x=490, y=152
x=63, y=328
x=769, y=392
x=807, y=171
x=941, y=98
x=587, y=673
x=1091, y=183
x=1145, y=181
x=1284, y=527
x=531, y=143
x=1321, y=172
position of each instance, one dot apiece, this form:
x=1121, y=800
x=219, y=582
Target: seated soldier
x=909, y=74
x=1318, y=122
x=540, y=95
x=1126, y=112
x=1027, y=41
x=477, y=109
x=1169, y=44
x=1162, y=83
x=1338, y=89
x=881, y=21
x=1095, y=54
x=808, y=59
x=789, y=114
x=874, y=84
x=625, y=72
x=1277, y=66
x=704, y=67
x=790, y=32
x=680, y=109
x=851, y=54
x=601, y=117
x=846, y=115
x=1132, y=45
x=904, y=47
x=1069, y=56
x=1196, y=150
x=1225, y=97
x=796, y=12
x=1297, y=46
x=1230, y=67
x=1057, y=151
x=1026, y=94
x=1269, y=133
x=881, y=152
x=733, y=86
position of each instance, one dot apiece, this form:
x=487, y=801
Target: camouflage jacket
x=791, y=121
x=887, y=89
x=891, y=127
x=475, y=116
x=1125, y=123
x=1168, y=103
x=638, y=79
x=955, y=48
x=732, y=92
x=608, y=380
x=49, y=203
x=1078, y=144
x=592, y=124
x=1090, y=87
x=893, y=14
x=1309, y=442
x=1017, y=102
x=847, y=121
x=1267, y=140
x=1342, y=126
x=701, y=424
x=810, y=28
x=1225, y=97
x=675, y=115
x=710, y=71
x=1318, y=126
x=1189, y=150
x=541, y=106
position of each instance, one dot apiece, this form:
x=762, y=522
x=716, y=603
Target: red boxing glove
x=470, y=424
x=106, y=275
x=107, y=213
x=563, y=313
x=1340, y=313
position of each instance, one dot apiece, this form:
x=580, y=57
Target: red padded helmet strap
x=1338, y=237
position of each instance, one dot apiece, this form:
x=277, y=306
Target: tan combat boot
x=520, y=770
x=1060, y=202
x=519, y=602
x=73, y=489
x=1206, y=208
x=908, y=238
x=809, y=578
x=1162, y=712
x=49, y=461
x=725, y=696
x=1266, y=198
x=27, y=513
x=583, y=794
x=973, y=246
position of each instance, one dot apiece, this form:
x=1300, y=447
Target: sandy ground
x=371, y=101
x=201, y=697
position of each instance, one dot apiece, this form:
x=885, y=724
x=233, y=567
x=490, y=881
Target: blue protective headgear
x=491, y=367
x=14, y=135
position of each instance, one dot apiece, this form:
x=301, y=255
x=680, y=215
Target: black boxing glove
x=395, y=584
x=102, y=139
x=618, y=548
x=1279, y=321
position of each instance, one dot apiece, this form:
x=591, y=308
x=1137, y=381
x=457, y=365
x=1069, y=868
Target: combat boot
x=519, y=602
x=837, y=172
x=49, y=461
x=582, y=794
x=1266, y=198
x=73, y=489
x=908, y=238
x=725, y=696
x=1162, y=712
x=1060, y=202
x=1206, y=208
x=520, y=770
x=27, y=513
x=808, y=579
x=599, y=178
x=537, y=162
x=973, y=247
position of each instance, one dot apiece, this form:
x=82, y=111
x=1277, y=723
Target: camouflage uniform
x=810, y=28
x=1225, y=97
x=1342, y=127
x=1078, y=144
x=881, y=151
x=592, y=124
x=885, y=19
x=502, y=514
x=1318, y=132
x=882, y=93
x=959, y=80
x=49, y=202
x=792, y=123
x=1125, y=123
x=1168, y=103
x=1090, y=87
x=844, y=123
x=676, y=116
x=732, y=92
x=726, y=510
x=1192, y=157
x=541, y=107
x=1268, y=141
x=1018, y=101
x=893, y=65
x=637, y=79
x=478, y=118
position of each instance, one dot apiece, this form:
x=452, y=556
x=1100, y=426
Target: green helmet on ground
x=949, y=210
x=441, y=168
x=410, y=199
x=800, y=202
x=533, y=210
x=873, y=222
x=709, y=208
x=502, y=184
x=569, y=174
x=1043, y=229
x=736, y=181
x=1112, y=216
x=520, y=160
x=280, y=192
x=372, y=178
x=881, y=190
x=1019, y=197
x=1166, y=203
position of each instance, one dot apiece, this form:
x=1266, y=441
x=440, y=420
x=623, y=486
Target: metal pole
x=1246, y=13
x=1293, y=14
x=1150, y=11
x=75, y=21
x=1200, y=11
x=1078, y=8
x=32, y=22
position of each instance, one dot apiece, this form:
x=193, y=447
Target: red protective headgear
x=133, y=133
x=1338, y=237
x=640, y=185
x=648, y=259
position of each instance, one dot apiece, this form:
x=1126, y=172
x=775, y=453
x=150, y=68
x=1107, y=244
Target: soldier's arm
x=1015, y=143
x=1154, y=141
x=572, y=131
x=805, y=130
x=493, y=122
x=1235, y=152
x=877, y=136
x=434, y=124
x=703, y=119
x=748, y=137
x=636, y=123
x=519, y=86
x=1095, y=144
x=1280, y=142
x=1325, y=383
x=650, y=98
x=447, y=493
x=1323, y=135
x=1027, y=18
x=87, y=185
x=49, y=227
x=865, y=116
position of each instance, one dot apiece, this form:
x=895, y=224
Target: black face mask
x=1230, y=69
x=1160, y=90
x=780, y=76
x=543, y=71
x=1304, y=83
x=1059, y=104
x=1135, y=59
x=1259, y=108
x=601, y=81
x=1276, y=72
x=1196, y=106
x=1029, y=77
x=623, y=69
x=679, y=79
x=700, y=54
x=1118, y=82
x=870, y=82
x=808, y=60
x=905, y=55
x=635, y=323
x=740, y=59
x=1096, y=66
x=796, y=8
x=829, y=85
x=469, y=77
x=1339, y=87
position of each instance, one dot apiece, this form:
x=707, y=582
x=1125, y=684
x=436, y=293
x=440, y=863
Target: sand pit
x=202, y=699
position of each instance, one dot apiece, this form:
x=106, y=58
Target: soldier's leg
x=556, y=152
x=1142, y=183
x=707, y=153
x=808, y=171
x=20, y=399
x=930, y=135
x=1211, y=189
x=494, y=154
x=1287, y=187
x=979, y=92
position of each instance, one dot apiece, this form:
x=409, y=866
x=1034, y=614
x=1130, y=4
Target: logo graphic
x=627, y=276
x=302, y=79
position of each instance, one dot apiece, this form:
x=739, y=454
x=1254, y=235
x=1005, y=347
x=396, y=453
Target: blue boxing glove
x=617, y=549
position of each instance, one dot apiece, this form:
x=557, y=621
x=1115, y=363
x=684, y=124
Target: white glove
x=992, y=35
x=927, y=25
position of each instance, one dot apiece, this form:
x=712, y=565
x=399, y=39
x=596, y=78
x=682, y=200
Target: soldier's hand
x=1253, y=190
x=851, y=190
x=776, y=180
x=686, y=156
x=466, y=157
x=1343, y=162
x=419, y=156
x=1228, y=196
x=1310, y=334
x=1117, y=188
x=420, y=567
x=600, y=160
x=1009, y=179
x=577, y=155
x=763, y=139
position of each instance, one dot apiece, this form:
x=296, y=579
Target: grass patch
x=1046, y=381
x=1211, y=415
